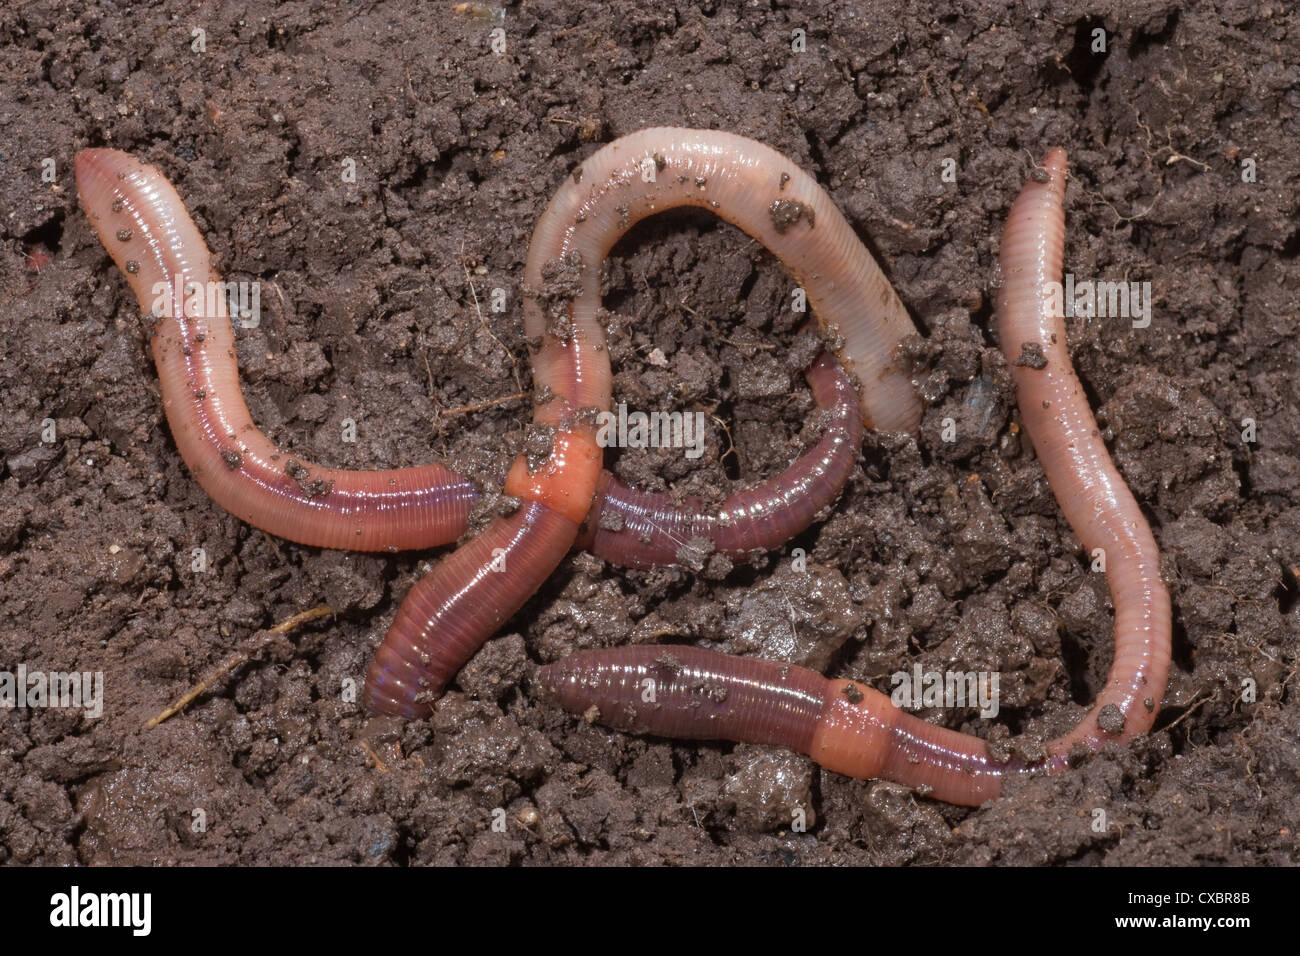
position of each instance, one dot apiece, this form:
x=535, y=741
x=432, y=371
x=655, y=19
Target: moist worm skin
x=760, y=191
x=143, y=224
x=471, y=592
x=855, y=730
x=1094, y=498
x=651, y=530
x=647, y=172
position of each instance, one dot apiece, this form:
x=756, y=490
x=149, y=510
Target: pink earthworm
x=855, y=730
x=1092, y=494
x=143, y=223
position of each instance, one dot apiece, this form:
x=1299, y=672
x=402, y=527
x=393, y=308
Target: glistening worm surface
x=1089, y=489
x=845, y=726
x=142, y=222
x=856, y=730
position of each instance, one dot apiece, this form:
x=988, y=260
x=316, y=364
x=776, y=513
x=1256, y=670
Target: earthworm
x=855, y=730
x=851, y=728
x=1091, y=492
x=452, y=612
x=143, y=223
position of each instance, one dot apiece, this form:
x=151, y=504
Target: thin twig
x=1192, y=709
x=235, y=660
x=479, y=406
x=473, y=293
x=379, y=764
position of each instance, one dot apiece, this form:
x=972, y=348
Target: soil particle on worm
x=945, y=551
x=538, y=442
x=562, y=280
x=786, y=212
x=1110, y=719
x=1031, y=356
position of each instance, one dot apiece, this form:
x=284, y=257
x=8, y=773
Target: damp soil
x=377, y=303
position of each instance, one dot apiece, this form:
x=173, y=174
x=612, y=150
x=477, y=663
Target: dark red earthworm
x=855, y=730
x=651, y=530
x=744, y=182
x=464, y=600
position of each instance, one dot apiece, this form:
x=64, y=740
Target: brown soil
x=944, y=554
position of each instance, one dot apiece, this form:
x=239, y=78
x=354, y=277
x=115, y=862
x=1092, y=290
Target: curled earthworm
x=142, y=222
x=855, y=730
